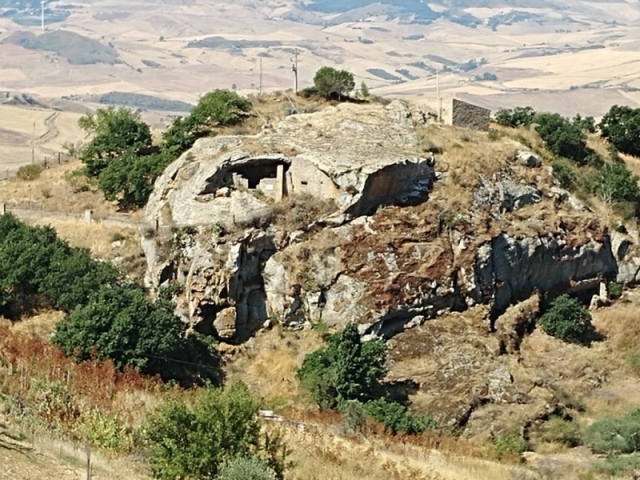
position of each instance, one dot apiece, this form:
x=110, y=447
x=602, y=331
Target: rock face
x=387, y=269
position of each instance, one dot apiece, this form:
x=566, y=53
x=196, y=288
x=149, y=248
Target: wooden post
x=59, y=158
x=88, y=450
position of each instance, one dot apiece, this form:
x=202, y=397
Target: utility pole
x=438, y=99
x=42, y=2
x=294, y=69
x=260, y=85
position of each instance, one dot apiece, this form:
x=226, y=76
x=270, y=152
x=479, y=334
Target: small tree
x=567, y=320
x=364, y=90
x=333, y=83
x=346, y=369
x=621, y=126
x=114, y=131
x=196, y=441
x=562, y=137
x=515, y=118
x=219, y=108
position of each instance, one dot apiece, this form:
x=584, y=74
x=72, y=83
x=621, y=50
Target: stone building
x=456, y=112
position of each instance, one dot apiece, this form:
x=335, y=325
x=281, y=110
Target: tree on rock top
x=333, y=83
x=220, y=108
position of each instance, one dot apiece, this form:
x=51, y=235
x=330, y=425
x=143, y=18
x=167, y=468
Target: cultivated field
x=579, y=56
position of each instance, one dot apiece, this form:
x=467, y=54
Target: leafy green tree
x=120, y=323
x=332, y=83
x=562, y=137
x=130, y=178
x=114, y=131
x=346, y=369
x=219, y=108
x=586, y=124
x=180, y=136
x=618, y=184
x=515, y=118
x=621, y=127
x=567, y=320
x=247, y=468
x=196, y=441
x=35, y=262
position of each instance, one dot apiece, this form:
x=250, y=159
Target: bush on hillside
x=220, y=108
x=346, y=369
x=567, y=320
x=397, y=418
x=197, y=440
x=515, y=118
x=247, y=468
x=120, y=323
x=562, y=137
x=563, y=172
x=621, y=127
x=614, y=435
x=617, y=184
x=35, y=263
x=29, y=172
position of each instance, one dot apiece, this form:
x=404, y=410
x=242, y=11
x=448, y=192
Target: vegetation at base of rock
x=121, y=324
x=625, y=466
x=560, y=430
x=29, y=172
x=35, y=263
x=614, y=435
x=564, y=173
x=397, y=418
x=247, y=468
x=567, y=320
x=332, y=83
x=510, y=444
x=345, y=369
x=621, y=126
x=196, y=440
x=346, y=374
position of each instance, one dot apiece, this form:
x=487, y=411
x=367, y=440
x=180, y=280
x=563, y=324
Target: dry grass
x=53, y=192
x=268, y=364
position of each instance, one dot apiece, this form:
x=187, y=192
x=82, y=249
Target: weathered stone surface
x=528, y=159
x=362, y=157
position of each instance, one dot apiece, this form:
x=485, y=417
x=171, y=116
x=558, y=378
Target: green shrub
x=615, y=290
x=515, y=118
x=397, y=418
x=627, y=466
x=617, y=184
x=346, y=369
x=563, y=171
x=247, y=468
x=621, y=126
x=562, y=137
x=510, y=444
x=29, y=172
x=567, y=320
x=614, y=435
x=354, y=415
x=120, y=323
x=559, y=430
x=197, y=440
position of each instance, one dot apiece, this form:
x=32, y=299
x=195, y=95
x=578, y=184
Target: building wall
x=464, y=114
x=305, y=178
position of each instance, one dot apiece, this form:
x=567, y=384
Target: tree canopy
x=197, y=440
x=567, y=320
x=120, y=323
x=563, y=137
x=621, y=126
x=114, y=131
x=332, y=83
